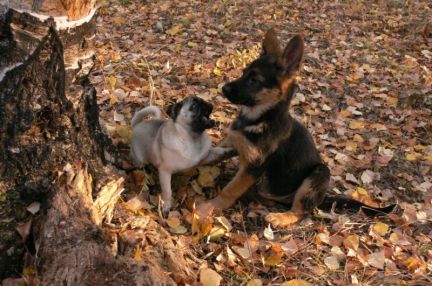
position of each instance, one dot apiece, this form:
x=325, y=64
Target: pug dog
x=177, y=144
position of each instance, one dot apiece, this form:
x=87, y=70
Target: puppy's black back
x=293, y=161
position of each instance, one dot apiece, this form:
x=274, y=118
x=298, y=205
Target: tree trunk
x=52, y=146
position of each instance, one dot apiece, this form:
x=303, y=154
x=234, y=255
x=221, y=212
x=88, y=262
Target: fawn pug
x=177, y=144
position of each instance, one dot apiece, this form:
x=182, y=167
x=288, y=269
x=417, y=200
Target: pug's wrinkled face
x=192, y=112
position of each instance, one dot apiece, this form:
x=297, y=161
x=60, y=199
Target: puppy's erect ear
x=271, y=44
x=174, y=109
x=293, y=55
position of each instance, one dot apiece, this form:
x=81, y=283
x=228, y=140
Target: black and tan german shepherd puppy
x=273, y=147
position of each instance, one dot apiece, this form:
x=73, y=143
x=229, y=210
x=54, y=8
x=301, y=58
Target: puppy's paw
x=282, y=219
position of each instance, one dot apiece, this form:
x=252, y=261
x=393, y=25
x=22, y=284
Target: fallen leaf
x=255, y=282
x=34, y=207
x=296, y=282
x=355, y=124
x=207, y=176
x=138, y=252
x=273, y=259
x=289, y=247
x=179, y=229
x=268, y=233
x=216, y=232
x=224, y=222
x=380, y=228
x=351, y=178
x=352, y=242
x=243, y=252
x=209, y=277
x=367, y=177
x=174, y=30
x=173, y=222
x=377, y=260
x=23, y=229
x=332, y=262
x=322, y=237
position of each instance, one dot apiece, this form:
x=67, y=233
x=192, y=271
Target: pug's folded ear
x=173, y=110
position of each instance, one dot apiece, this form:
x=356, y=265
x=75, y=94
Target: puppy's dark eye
x=253, y=80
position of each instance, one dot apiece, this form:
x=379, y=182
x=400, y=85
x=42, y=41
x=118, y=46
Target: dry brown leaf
x=255, y=282
x=296, y=282
x=332, y=262
x=209, y=277
x=24, y=229
x=377, y=260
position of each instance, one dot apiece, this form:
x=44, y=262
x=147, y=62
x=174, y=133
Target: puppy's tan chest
x=248, y=151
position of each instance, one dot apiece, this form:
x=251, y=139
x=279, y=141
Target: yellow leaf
x=273, y=259
x=413, y=263
x=138, y=251
x=216, y=232
x=224, y=222
x=392, y=100
x=351, y=146
x=378, y=127
x=192, y=44
x=112, y=81
x=356, y=124
x=413, y=156
x=217, y=72
x=116, y=58
x=362, y=192
x=428, y=159
x=420, y=147
x=174, y=30
x=209, y=277
x=358, y=138
x=201, y=227
x=381, y=228
x=207, y=175
x=214, y=90
x=118, y=21
x=125, y=133
x=322, y=237
x=296, y=282
x=352, y=242
x=345, y=113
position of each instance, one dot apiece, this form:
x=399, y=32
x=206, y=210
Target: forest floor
x=364, y=93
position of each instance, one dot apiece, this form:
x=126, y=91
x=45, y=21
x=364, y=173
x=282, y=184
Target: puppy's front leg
x=218, y=154
x=165, y=183
x=234, y=190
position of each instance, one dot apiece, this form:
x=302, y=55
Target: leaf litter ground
x=364, y=93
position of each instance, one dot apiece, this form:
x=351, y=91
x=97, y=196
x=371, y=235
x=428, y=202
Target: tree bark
x=51, y=145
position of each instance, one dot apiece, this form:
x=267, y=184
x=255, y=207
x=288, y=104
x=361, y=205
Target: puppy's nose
x=226, y=89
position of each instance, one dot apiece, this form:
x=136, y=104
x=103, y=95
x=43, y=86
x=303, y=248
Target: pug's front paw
x=166, y=207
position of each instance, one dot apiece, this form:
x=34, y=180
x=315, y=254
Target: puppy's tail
x=341, y=203
x=149, y=110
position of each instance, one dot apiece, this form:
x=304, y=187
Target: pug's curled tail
x=152, y=110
